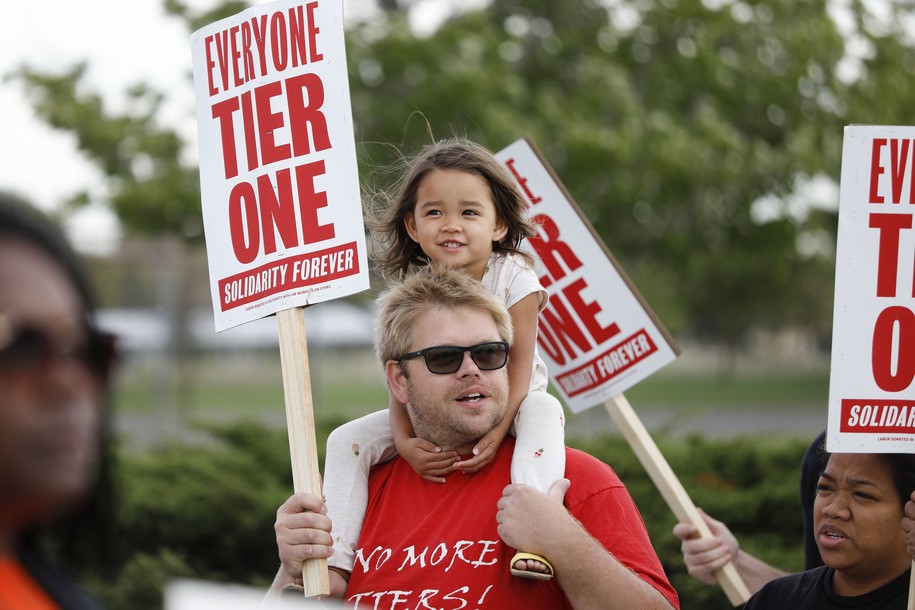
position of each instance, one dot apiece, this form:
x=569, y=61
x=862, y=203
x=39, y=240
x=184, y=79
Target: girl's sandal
x=519, y=556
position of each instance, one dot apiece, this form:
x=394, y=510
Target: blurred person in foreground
x=857, y=517
x=444, y=340
x=55, y=478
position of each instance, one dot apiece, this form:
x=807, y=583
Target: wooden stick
x=300, y=422
x=671, y=489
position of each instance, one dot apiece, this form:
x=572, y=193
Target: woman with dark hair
x=55, y=492
x=857, y=516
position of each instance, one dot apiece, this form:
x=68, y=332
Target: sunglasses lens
x=443, y=360
x=29, y=348
x=489, y=356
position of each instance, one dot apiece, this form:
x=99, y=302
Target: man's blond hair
x=434, y=287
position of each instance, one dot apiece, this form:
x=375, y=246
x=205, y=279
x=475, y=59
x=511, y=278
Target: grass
x=348, y=384
x=345, y=384
x=779, y=389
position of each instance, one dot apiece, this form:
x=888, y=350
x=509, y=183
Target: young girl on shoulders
x=456, y=205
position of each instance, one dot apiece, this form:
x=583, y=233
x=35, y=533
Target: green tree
x=149, y=187
x=666, y=128
x=669, y=121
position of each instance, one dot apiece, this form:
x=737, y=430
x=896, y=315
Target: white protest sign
x=279, y=183
x=279, y=190
x=871, y=390
x=597, y=335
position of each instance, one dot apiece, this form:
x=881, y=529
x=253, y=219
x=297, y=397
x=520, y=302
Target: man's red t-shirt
x=432, y=545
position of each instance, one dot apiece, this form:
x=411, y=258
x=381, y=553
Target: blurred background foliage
x=686, y=130
x=206, y=510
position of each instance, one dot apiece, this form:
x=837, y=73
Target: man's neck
x=465, y=449
x=448, y=442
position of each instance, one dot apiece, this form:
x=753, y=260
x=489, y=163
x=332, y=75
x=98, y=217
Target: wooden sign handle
x=300, y=422
x=671, y=488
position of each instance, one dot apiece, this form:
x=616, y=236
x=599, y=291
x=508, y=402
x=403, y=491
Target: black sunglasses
x=27, y=348
x=446, y=359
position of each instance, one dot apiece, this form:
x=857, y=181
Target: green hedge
x=207, y=510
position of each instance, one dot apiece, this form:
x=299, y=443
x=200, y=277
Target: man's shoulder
x=588, y=474
x=586, y=463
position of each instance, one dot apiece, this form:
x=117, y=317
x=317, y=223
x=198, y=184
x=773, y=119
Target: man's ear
x=397, y=380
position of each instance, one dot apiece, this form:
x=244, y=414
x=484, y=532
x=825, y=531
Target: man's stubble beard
x=443, y=425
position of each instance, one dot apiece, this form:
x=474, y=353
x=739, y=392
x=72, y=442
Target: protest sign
x=280, y=189
x=278, y=178
x=598, y=335
x=871, y=389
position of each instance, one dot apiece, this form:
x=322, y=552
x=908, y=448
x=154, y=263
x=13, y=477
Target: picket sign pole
x=911, y=604
x=671, y=489
x=300, y=423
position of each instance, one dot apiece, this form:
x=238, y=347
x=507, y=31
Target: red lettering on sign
x=608, y=365
x=277, y=210
x=222, y=54
x=889, y=226
x=268, y=122
x=588, y=312
x=310, y=201
x=247, y=121
x=223, y=112
x=259, y=24
x=877, y=415
x=256, y=217
x=261, y=122
x=288, y=274
x=235, y=55
x=898, y=164
x=278, y=43
x=552, y=251
x=522, y=182
x=901, y=167
x=303, y=32
x=244, y=227
x=894, y=333
x=558, y=333
x=306, y=97
x=248, y=57
x=876, y=169
x=210, y=64
x=275, y=38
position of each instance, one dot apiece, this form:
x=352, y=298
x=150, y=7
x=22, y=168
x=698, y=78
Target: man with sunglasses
x=443, y=341
x=53, y=384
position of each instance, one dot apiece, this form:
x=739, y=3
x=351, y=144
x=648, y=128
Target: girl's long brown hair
x=392, y=248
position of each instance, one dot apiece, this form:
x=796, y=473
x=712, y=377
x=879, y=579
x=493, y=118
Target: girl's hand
x=427, y=459
x=483, y=452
